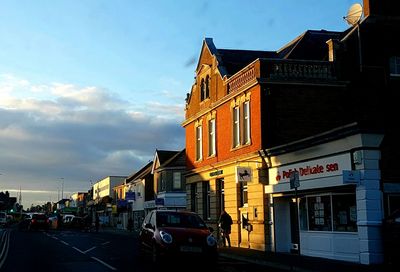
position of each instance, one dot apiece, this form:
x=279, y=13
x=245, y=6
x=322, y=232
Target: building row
x=298, y=145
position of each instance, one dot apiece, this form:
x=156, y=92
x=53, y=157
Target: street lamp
x=62, y=188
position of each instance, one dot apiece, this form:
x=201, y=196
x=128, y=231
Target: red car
x=171, y=234
x=39, y=221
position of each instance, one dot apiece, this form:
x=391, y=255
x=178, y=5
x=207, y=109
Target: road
x=69, y=250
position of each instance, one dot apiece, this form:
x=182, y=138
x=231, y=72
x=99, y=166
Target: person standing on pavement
x=225, y=222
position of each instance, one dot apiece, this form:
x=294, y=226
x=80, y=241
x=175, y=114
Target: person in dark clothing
x=225, y=222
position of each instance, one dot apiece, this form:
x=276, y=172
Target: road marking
x=103, y=263
x=4, y=251
x=77, y=249
x=84, y=252
x=65, y=243
x=105, y=243
x=54, y=237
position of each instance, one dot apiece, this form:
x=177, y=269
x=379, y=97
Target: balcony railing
x=278, y=70
x=297, y=70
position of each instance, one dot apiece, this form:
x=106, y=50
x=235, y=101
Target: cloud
x=54, y=130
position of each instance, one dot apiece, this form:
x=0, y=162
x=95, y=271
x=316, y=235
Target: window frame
x=199, y=143
x=212, y=149
x=394, y=66
x=236, y=127
x=246, y=123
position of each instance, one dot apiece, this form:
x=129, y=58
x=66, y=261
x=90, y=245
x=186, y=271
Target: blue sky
x=91, y=88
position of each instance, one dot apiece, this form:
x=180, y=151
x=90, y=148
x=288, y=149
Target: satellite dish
x=354, y=14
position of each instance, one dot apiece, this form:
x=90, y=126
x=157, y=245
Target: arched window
x=202, y=90
x=207, y=91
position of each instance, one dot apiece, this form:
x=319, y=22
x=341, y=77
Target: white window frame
x=199, y=143
x=246, y=123
x=236, y=127
x=211, y=138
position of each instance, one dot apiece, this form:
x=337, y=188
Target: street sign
x=294, y=180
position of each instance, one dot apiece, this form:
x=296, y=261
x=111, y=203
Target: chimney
x=332, y=48
x=381, y=7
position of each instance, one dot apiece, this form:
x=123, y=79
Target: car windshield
x=180, y=220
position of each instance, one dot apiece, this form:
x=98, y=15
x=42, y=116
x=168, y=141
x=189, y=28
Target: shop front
x=327, y=200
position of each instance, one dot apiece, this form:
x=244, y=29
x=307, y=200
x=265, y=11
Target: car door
x=147, y=231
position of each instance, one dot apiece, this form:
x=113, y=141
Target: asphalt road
x=68, y=250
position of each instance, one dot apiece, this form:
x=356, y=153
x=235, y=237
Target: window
x=335, y=212
x=246, y=122
x=319, y=210
x=243, y=193
x=202, y=90
x=395, y=66
x=220, y=195
x=211, y=137
x=199, y=143
x=205, y=88
x=344, y=212
x=176, y=183
x=206, y=200
x=193, y=197
x=236, y=127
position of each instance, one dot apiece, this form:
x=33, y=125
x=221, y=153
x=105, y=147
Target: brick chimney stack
x=381, y=7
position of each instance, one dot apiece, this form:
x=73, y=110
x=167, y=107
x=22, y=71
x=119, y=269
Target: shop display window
x=344, y=212
x=319, y=213
x=334, y=212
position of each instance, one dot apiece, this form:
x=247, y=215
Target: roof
x=167, y=158
x=141, y=173
x=310, y=45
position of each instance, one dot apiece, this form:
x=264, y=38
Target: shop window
x=206, y=200
x=344, y=212
x=193, y=197
x=319, y=213
x=394, y=66
x=336, y=212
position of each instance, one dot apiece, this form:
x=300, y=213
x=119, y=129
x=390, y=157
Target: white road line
x=86, y=251
x=103, y=263
x=54, y=237
x=105, y=243
x=65, y=243
x=77, y=249
x=6, y=246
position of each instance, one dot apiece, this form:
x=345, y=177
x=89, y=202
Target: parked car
x=53, y=222
x=39, y=221
x=3, y=219
x=170, y=234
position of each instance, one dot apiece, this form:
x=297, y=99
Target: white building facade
x=333, y=208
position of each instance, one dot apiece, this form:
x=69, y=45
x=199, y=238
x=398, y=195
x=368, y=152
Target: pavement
x=294, y=262
x=287, y=261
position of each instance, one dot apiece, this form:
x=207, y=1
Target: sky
x=91, y=88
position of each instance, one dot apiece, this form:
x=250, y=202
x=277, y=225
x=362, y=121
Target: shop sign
x=216, y=173
x=330, y=166
x=243, y=174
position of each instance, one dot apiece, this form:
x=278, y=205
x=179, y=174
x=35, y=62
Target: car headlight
x=211, y=241
x=166, y=237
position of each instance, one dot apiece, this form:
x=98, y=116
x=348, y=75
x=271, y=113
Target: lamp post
x=62, y=188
